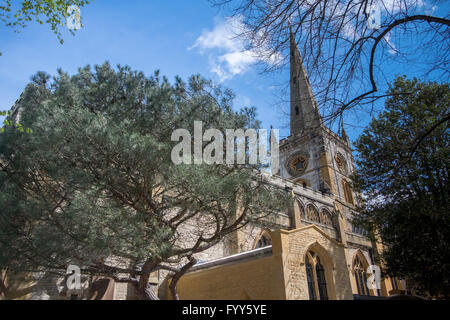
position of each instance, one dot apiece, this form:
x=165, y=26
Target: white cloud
x=242, y=101
x=228, y=55
x=393, y=6
x=431, y=10
x=392, y=48
x=223, y=36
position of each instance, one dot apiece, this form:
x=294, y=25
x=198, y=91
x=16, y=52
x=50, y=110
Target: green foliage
x=404, y=162
x=95, y=178
x=52, y=12
x=11, y=123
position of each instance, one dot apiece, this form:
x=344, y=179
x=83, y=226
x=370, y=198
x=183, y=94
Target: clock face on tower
x=341, y=164
x=297, y=164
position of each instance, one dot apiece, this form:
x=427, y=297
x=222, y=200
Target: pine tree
x=94, y=177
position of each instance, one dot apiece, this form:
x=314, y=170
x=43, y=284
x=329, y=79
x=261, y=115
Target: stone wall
x=295, y=244
x=257, y=278
x=279, y=276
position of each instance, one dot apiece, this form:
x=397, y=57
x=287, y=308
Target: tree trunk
x=148, y=294
x=177, y=276
x=144, y=289
x=3, y=288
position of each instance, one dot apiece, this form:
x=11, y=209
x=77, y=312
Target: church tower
x=313, y=156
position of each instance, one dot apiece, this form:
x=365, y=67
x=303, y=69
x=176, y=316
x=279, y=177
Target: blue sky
x=146, y=35
x=178, y=37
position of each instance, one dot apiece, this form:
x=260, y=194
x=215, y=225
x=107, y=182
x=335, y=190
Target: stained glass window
x=316, y=277
x=310, y=279
x=264, y=241
x=360, y=278
x=321, y=281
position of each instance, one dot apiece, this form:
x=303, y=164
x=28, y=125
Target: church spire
x=344, y=135
x=304, y=111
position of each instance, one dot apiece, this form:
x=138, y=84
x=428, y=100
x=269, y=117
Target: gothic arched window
x=394, y=284
x=321, y=281
x=264, y=241
x=360, y=277
x=312, y=214
x=315, y=275
x=302, y=210
x=310, y=278
x=347, y=192
x=325, y=217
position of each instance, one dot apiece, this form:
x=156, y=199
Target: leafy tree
x=15, y=124
x=94, y=185
x=404, y=163
x=52, y=12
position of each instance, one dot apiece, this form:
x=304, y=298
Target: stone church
x=311, y=252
